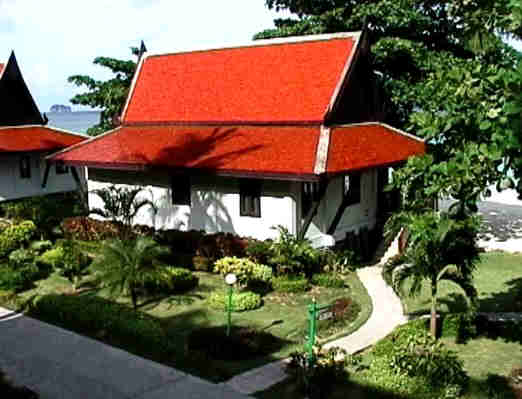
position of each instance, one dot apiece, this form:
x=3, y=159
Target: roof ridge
x=265, y=43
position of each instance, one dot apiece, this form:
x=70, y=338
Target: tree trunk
x=433, y=319
x=134, y=298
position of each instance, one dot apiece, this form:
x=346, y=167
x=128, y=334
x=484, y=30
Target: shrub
x=422, y=355
x=15, y=236
x=53, y=257
x=462, y=326
x=41, y=246
x=219, y=245
x=75, y=262
x=241, y=301
x=93, y=315
x=18, y=279
x=88, y=229
x=245, y=270
x=21, y=257
x=290, y=283
x=172, y=280
x=180, y=241
x=317, y=379
x=243, y=343
x=329, y=280
x=340, y=261
x=259, y=251
x=291, y=255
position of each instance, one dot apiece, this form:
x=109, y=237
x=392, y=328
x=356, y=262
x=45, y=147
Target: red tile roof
x=363, y=146
x=269, y=151
x=234, y=149
x=35, y=138
x=268, y=83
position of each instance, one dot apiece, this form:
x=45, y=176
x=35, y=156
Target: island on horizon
x=60, y=108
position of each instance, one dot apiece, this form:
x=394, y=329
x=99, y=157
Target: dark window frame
x=352, y=189
x=25, y=167
x=309, y=194
x=250, y=198
x=180, y=187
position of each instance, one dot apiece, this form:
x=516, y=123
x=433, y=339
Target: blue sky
x=54, y=39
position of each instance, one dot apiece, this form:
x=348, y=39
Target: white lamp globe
x=230, y=278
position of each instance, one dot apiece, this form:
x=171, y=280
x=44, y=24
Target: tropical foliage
x=126, y=266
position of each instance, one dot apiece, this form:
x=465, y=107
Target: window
x=25, y=167
x=180, y=187
x=250, y=198
x=61, y=169
x=352, y=189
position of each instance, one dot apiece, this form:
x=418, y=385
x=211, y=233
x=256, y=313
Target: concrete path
x=387, y=314
x=59, y=364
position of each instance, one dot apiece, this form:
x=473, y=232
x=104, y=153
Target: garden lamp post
x=230, y=279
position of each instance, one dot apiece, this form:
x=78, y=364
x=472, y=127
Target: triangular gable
x=16, y=102
x=281, y=81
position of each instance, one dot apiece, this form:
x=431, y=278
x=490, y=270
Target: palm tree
x=125, y=266
x=121, y=204
x=439, y=248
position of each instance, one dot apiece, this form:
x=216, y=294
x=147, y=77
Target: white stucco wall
x=214, y=203
x=12, y=186
x=355, y=217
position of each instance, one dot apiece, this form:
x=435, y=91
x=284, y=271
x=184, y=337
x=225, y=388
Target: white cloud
x=54, y=39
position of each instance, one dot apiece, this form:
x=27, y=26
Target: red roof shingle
x=362, y=146
x=35, y=138
x=270, y=83
x=260, y=150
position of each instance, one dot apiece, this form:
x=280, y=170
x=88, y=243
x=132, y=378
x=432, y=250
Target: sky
x=54, y=39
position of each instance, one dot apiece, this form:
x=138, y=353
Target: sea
x=78, y=121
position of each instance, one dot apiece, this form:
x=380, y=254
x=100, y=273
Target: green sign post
x=316, y=312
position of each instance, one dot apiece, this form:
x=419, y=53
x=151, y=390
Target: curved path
x=387, y=314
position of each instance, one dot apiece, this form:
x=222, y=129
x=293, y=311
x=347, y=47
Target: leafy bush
x=88, y=229
x=18, y=279
x=75, y=262
x=180, y=241
x=243, y=343
x=329, y=280
x=259, y=251
x=340, y=261
x=291, y=255
x=241, y=301
x=21, y=257
x=172, y=280
x=290, y=283
x=245, y=270
x=317, y=379
x=219, y=245
x=15, y=236
x=93, y=315
x=202, y=263
x=53, y=258
x=462, y=326
x=422, y=355
x=40, y=246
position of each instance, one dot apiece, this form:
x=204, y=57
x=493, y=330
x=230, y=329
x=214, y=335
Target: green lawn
x=283, y=315
x=498, y=280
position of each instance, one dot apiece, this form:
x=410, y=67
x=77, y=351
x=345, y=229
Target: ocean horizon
x=77, y=121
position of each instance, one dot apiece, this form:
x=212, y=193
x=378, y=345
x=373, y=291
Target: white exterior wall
x=214, y=203
x=12, y=186
x=355, y=217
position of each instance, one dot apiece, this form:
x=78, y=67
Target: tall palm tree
x=125, y=266
x=439, y=248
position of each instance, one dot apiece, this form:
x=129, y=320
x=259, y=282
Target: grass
x=283, y=315
x=498, y=280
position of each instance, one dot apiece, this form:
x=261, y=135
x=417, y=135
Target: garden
x=162, y=294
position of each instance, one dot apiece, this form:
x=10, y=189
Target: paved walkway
x=60, y=364
x=386, y=315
